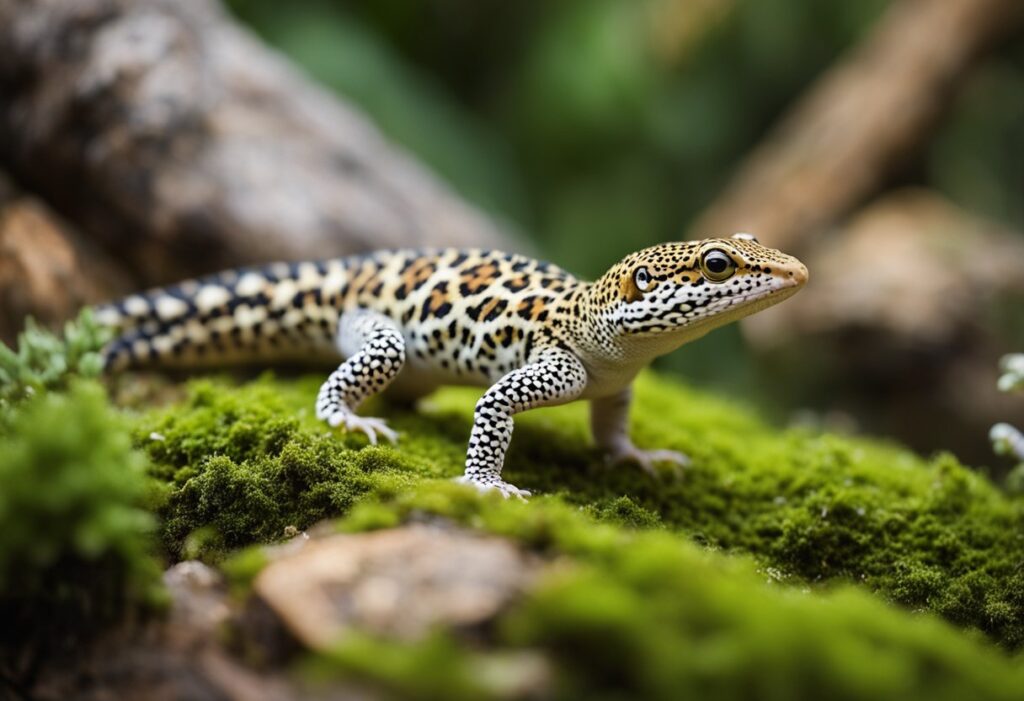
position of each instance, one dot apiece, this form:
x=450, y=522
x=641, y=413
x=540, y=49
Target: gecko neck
x=611, y=358
x=614, y=357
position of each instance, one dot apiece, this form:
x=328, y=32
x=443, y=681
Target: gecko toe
x=504, y=488
x=647, y=460
x=372, y=428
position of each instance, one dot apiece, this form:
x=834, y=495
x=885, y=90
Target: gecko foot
x=367, y=425
x=646, y=460
x=487, y=483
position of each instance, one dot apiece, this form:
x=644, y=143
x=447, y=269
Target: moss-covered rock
x=770, y=569
x=649, y=615
x=244, y=462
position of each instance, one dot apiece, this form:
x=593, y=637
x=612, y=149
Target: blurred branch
x=173, y=138
x=860, y=121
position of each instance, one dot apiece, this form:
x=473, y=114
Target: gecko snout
x=798, y=274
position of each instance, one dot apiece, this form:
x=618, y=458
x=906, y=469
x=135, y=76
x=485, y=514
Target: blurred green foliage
x=75, y=500
x=73, y=488
x=76, y=547
x=602, y=126
x=607, y=122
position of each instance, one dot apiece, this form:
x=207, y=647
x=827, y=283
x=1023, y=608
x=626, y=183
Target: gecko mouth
x=755, y=301
x=750, y=303
x=711, y=314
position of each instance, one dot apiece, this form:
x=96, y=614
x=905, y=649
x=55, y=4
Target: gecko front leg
x=556, y=377
x=609, y=424
x=375, y=352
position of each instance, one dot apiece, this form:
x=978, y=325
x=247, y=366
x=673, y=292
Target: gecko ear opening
x=632, y=286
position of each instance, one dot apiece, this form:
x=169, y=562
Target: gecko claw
x=646, y=460
x=504, y=488
x=367, y=425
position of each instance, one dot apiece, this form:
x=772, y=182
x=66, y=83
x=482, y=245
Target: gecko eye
x=717, y=266
x=642, y=279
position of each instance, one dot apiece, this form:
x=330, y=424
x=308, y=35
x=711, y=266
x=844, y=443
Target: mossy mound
x=770, y=570
x=76, y=546
x=242, y=463
x=645, y=614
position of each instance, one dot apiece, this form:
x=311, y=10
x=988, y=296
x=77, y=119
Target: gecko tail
x=275, y=313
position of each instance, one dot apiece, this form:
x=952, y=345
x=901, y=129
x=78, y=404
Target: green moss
x=242, y=463
x=625, y=512
x=751, y=575
x=928, y=534
x=648, y=615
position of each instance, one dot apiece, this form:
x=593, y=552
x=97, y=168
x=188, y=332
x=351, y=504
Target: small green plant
x=46, y=361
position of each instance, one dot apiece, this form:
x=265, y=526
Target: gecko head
x=672, y=293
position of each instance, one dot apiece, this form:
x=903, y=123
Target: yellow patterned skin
x=409, y=321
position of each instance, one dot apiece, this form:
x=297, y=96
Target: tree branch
x=845, y=138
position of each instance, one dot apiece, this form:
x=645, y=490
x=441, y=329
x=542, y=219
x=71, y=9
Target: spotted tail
x=281, y=312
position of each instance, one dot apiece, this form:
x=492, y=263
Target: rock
x=179, y=143
x=915, y=299
x=180, y=656
x=912, y=266
x=397, y=583
x=47, y=268
x=198, y=599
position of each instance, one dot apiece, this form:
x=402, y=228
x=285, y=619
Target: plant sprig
x=44, y=360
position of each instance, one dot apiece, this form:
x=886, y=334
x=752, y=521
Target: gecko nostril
x=800, y=275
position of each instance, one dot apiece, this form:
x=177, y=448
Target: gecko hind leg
x=374, y=351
